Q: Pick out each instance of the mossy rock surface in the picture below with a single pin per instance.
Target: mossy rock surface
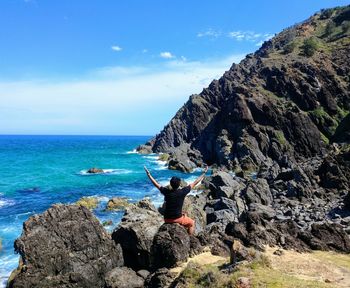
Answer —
(88, 202)
(117, 203)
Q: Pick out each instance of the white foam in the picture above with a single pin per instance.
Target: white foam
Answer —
(152, 157)
(4, 202)
(107, 172)
(132, 152)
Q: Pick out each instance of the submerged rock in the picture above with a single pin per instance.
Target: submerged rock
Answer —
(66, 246)
(94, 170)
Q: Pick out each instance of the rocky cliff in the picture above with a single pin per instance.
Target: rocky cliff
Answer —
(285, 102)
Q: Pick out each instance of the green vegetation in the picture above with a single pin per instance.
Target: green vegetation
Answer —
(330, 28)
(164, 157)
(324, 122)
(88, 202)
(324, 138)
(310, 46)
(345, 27)
(259, 272)
(290, 47)
(107, 223)
(280, 137)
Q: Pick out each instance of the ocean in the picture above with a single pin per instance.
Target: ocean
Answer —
(38, 171)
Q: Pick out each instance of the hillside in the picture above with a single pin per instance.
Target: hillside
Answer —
(283, 103)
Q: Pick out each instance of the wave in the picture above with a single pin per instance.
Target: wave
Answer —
(152, 157)
(106, 172)
(5, 202)
(131, 152)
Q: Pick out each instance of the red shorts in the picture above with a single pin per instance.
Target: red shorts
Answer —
(183, 220)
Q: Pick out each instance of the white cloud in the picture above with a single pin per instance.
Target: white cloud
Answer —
(109, 100)
(238, 35)
(166, 55)
(211, 33)
(116, 48)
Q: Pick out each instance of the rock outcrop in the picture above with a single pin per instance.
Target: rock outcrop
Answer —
(135, 234)
(123, 277)
(280, 104)
(66, 246)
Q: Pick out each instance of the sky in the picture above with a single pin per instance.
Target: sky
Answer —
(92, 67)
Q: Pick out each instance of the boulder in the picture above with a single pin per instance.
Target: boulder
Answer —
(194, 208)
(94, 170)
(266, 212)
(222, 216)
(258, 191)
(171, 245)
(347, 201)
(325, 236)
(161, 278)
(66, 246)
(144, 149)
(223, 184)
(123, 277)
(135, 234)
(117, 203)
(88, 202)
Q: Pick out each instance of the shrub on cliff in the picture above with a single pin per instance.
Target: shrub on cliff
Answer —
(311, 45)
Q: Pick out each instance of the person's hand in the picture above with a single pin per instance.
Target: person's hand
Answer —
(147, 171)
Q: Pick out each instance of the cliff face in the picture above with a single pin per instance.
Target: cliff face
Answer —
(283, 102)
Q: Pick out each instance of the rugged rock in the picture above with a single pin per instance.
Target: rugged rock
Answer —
(327, 236)
(135, 234)
(194, 208)
(94, 170)
(162, 278)
(171, 245)
(66, 246)
(123, 277)
(276, 103)
(117, 203)
(223, 184)
(258, 191)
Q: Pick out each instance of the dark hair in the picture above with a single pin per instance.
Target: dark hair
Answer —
(175, 182)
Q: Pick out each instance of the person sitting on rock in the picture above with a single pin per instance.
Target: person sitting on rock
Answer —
(174, 198)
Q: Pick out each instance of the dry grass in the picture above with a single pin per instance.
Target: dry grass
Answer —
(291, 270)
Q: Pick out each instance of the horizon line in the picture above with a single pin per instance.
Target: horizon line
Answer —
(102, 135)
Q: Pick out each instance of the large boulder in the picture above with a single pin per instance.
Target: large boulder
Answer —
(66, 246)
(194, 208)
(123, 277)
(171, 245)
(258, 191)
(325, 236)
(223, 184)
(161, 278)
(135, 234)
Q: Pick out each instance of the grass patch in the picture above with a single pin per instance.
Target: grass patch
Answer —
(340, 260)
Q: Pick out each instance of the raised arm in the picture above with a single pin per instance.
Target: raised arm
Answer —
(154, 182)
(199, 179)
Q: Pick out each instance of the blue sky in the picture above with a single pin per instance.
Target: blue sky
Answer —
(123, 67)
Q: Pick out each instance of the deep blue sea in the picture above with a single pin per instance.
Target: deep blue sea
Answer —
(38, 171)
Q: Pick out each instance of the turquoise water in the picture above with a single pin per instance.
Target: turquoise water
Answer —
(37, 171)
